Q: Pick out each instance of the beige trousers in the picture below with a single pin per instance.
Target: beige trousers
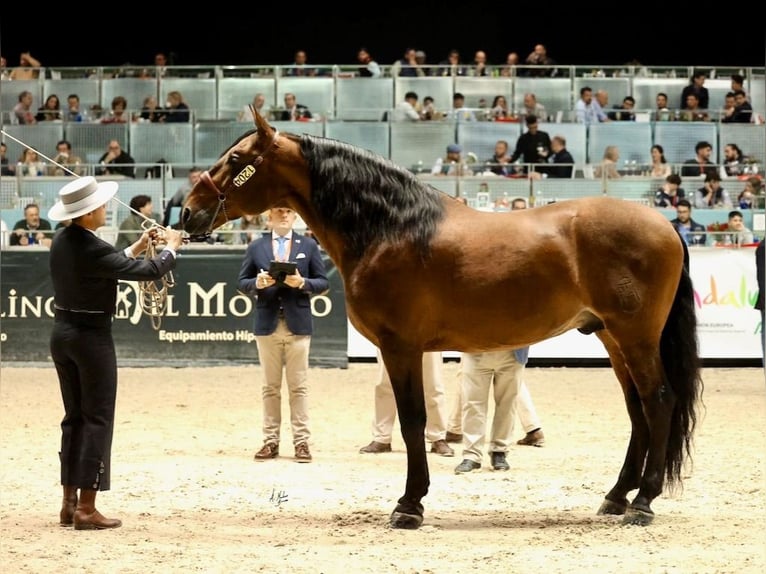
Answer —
(500, 373)
(433, 389)
(277, 352)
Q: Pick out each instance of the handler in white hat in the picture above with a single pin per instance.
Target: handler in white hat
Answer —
(84, 270)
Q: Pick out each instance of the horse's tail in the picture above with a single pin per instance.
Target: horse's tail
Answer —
(679, 350)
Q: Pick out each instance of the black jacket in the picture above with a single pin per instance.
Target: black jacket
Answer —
(85, 269)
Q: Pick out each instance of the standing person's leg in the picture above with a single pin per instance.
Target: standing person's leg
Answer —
(455, 421)
(296, 375)
(436, 403)
(528, 418)
(477, 378)
(270, 356)
(385, 412)
(508, 376)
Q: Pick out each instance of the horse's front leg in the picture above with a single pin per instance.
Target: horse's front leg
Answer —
(406, 372)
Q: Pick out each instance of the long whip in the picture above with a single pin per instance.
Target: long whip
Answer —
(153, 295)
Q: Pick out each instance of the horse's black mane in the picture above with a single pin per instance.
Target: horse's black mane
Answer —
(367, 198)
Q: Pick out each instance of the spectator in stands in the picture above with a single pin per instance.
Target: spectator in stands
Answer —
(509, 70)
(459, 112)
(176, 109)
(407, 109)
(701, 163)
(66, 163)
(30, 164)
(533, 146)
(118, 113)
(452, 65)
(693, 112)
(738, 234)
(29, 68)
(151, 110)
(743, 111)
(608, 168)
(408, 66)
(533, 107)
(693, 233)
(660, 167)
(729, 107)
(499, 111)
(662, 112)
(180, 195)
(452, 163)
(246, 229)
(6, 168)
(160, 69)
(300, 66)
(697, 87)
(587, 111)
(480, 66)
(500, 162)
(624, 112)
(50, 111)
(737, 82)
(750, 194)
(429, 111)
(293, 110)
(22, 111)
(733, 161)
(32, 229)
(132, 226)
(539, 57)
(116, 161)
(73, 113)
(560, 162)
(259, 104)
(670, 193)
(712, 195)
(369, 67)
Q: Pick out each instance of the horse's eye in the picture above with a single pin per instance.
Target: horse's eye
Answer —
(234, 158)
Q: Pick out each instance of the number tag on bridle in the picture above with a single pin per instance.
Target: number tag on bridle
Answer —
(244, 175)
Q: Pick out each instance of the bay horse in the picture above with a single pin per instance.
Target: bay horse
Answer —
(424, 272)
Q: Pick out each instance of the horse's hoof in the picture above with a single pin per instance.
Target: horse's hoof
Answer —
(611, 507)
(638, 517)
(405, 521)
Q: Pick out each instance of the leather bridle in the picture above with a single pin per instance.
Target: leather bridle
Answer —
(239, 180)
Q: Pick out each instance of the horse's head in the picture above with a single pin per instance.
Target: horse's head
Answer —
(238, 183)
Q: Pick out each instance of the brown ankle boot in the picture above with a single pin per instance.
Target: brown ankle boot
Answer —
(86, 517)
(68, 506)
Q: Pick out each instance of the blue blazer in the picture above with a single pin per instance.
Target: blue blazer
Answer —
(296, 303)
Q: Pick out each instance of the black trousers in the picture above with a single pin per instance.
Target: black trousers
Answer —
(86, 363)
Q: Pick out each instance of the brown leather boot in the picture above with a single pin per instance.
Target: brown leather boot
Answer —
(86, 517)
(68, 506)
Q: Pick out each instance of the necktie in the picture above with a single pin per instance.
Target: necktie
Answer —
(281, 248)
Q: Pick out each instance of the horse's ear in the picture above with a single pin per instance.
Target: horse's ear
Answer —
(261, 124)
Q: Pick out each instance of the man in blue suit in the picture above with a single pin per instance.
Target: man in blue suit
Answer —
(283, 324)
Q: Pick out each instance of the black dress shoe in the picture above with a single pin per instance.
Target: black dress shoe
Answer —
(466, 466)
(375, 447)
(268, 450)
(499, 462)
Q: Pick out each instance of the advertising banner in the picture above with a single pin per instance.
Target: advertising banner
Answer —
(207, 319)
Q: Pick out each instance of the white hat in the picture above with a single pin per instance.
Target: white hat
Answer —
(81, 196)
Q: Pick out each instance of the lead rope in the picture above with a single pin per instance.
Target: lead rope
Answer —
(153, 294)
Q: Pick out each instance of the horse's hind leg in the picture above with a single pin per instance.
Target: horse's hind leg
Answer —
(406, 373)
(650, 403)
(616, 501)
